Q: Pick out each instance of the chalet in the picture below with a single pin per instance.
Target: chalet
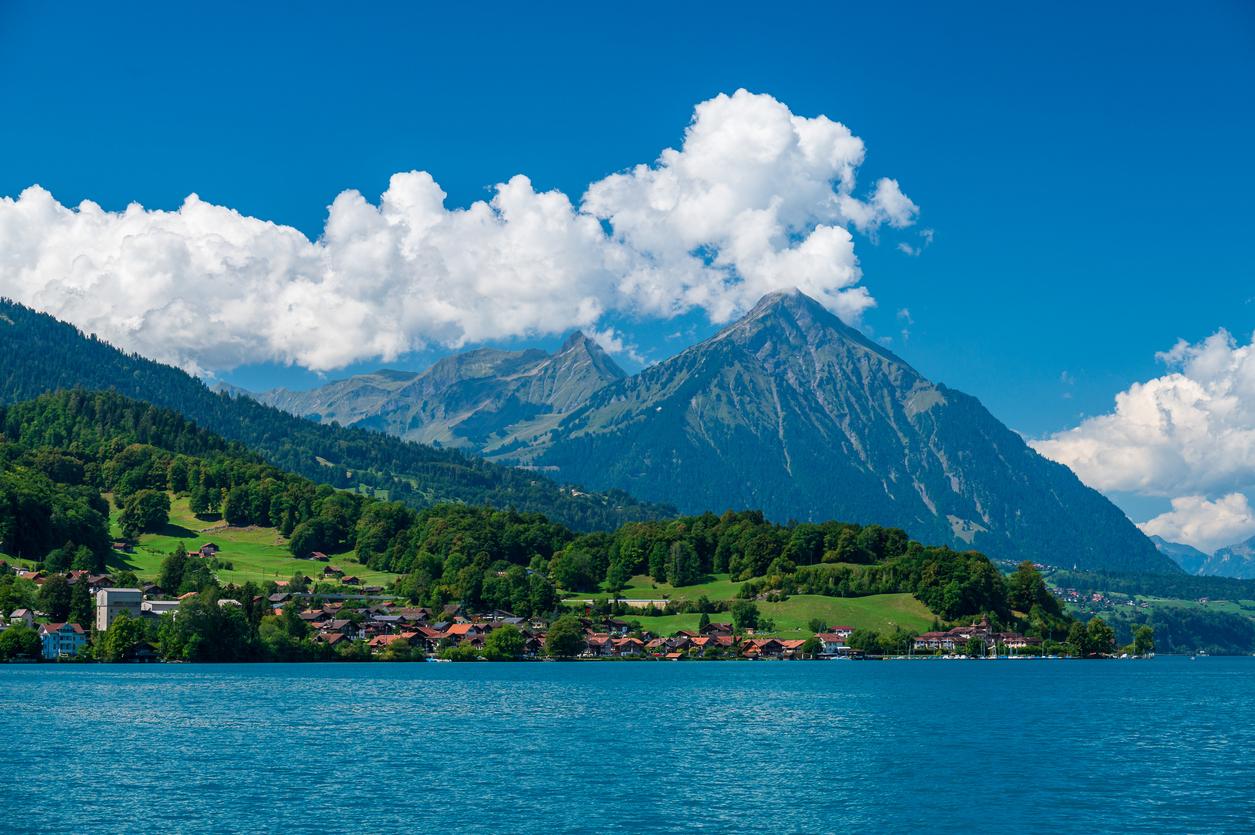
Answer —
(123, 546)
(843, 632)
(627, 646)
(599, 643)
(332, 571)
(716, 629)
(152, 590)
(702, 645)
(319, 556)
(380, 642)
(96, 582)
(388, 622)
(279, 598)
(332, 639)
(618, 628)
(209, 549)
(791, 648)
(763, 648)
(464, 631)
(314, 616)
(351, 581)
(345, 627)
(61, 640)
(427, 637)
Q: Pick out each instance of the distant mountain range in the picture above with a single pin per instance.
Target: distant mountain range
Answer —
(1234, 561)
(487, 401)
(788, 410)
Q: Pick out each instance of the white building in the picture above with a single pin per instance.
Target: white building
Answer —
(157, 608)
(111, 602)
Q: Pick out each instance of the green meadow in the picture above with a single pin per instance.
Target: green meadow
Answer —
(879, 612)
(256, 554)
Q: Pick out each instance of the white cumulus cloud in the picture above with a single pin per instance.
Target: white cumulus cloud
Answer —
(1207, 525)
(1188, 435)
(755, 199)
(1190, 431)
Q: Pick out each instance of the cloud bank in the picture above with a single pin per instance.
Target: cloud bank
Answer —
(1188, 435)
(1206, 525)
(755, 199)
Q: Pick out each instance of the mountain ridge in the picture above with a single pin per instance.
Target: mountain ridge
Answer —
(1237, 560)
(791, 410)
(480, 401)
(39, 353)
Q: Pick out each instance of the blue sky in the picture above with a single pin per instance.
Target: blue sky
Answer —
(1086, 167)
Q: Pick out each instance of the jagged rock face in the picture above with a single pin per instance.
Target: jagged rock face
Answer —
(483, 400)
(794, 412)
(1234, 561)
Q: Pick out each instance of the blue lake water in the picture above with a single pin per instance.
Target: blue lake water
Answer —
(1166, 745)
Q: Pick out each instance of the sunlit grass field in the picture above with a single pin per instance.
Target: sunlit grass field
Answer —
(256, 554)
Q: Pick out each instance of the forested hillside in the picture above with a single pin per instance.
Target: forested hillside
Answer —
(39, 354)
(62, 450)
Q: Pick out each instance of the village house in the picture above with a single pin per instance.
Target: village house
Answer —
(599, 644)
(832, 643)
(23, 616)
(382, 642)
(956, 639)
(61, 640)
(628, 646)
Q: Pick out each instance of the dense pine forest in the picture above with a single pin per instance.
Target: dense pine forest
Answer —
(39, 354)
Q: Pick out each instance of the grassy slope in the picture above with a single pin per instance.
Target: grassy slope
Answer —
(642, 587)
(256, 554)
(881, 612)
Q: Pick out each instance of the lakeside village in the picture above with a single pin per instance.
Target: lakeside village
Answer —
(104, 622)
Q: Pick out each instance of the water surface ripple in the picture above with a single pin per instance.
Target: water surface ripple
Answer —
(1160, 746)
